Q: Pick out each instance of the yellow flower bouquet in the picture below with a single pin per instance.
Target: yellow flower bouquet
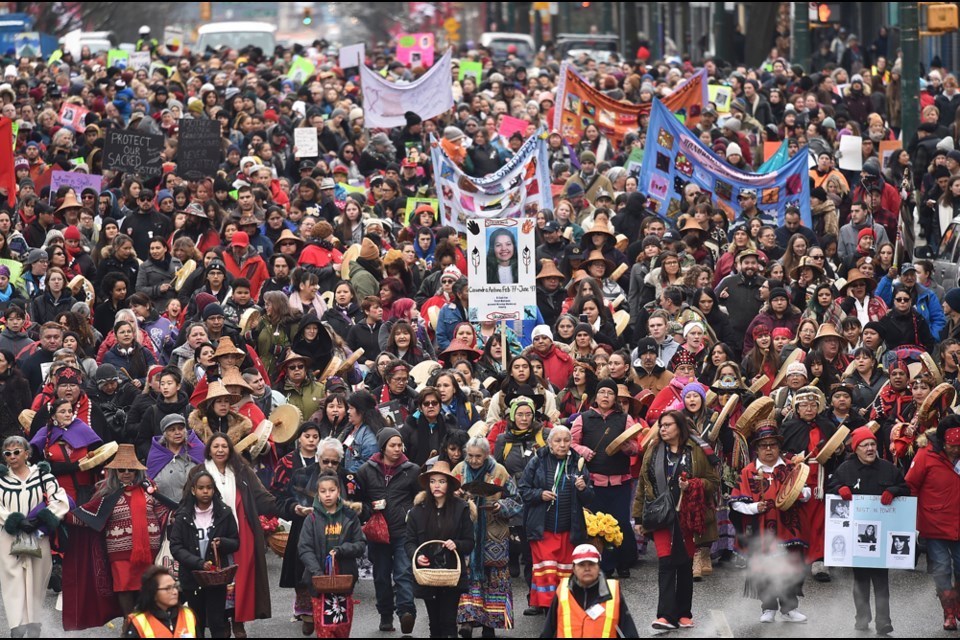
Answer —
(604, 530)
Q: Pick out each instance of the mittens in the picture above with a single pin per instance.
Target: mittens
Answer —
(845, 493)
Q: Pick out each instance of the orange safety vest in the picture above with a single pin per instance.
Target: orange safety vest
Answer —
(148, 626)
(573, 621)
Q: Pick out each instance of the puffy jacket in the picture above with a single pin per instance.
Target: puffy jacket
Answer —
(399, 493)
(936, 486)
(315, 545)
(252, 267)
(45, 309)
(557, 366)
(926, 305)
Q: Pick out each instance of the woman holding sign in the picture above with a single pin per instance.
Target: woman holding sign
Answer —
(502, 257)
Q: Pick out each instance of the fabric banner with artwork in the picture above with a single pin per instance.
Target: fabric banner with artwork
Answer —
(384, 103)
(519, 188)
(579, 104)
(866, 534)
(674, 157)
(502, 268)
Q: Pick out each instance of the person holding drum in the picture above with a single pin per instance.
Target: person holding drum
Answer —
(866, 474)
(779, 536)
(593, 432)
(809, 432)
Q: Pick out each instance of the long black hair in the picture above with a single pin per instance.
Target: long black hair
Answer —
(187, 501)
(366, 405)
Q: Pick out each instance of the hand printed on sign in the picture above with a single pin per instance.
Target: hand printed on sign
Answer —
(473, 227)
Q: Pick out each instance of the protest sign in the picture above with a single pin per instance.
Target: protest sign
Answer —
(851, 153)
(416, 49)
(886, 148)
(305, 140)
(27, 44)
(580, 104)
(72, 116)
(301, 69)
(865, 534)
(172, 38)
(384, 103)
(518, 189)
(16, 270)
(200, 148)
(721, 96)
(675, 157)
(510, 125)
(471, 68)
(76, 181)
(502, 268)
(118, 58)
(140, 60)
(413, 203)
(133, 152)
(352, 55)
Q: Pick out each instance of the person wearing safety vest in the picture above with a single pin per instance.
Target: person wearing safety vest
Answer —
(158, 613)
(588, 604)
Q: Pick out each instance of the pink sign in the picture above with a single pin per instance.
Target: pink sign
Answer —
(415, 49)
(510, 125)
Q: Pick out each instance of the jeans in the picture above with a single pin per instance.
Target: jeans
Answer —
(862, 578)
(209, 605)
(616, 502)
(442, 613)
(943, 562)
(392, 572)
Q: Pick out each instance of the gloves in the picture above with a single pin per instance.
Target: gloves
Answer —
(29, 525)
(886, 498)
(12, 524)
(845, 493)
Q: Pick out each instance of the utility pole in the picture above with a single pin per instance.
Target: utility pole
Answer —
(801, 34)
(607, 27)
(910, 44)
(720, 47)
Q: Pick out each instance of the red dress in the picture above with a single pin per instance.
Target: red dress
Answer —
(244, 609)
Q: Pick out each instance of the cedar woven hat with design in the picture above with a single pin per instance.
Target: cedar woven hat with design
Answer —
(597, 256)
(855, 275)
(217, 390)
(69, 202)
(293, 356)
(689, 224)
(459, 346)
(826, 330)
(225, 347)
(548, 269)
(288, 236)
(806, 263)
(442, 468)
(126, 458)
(602, 229)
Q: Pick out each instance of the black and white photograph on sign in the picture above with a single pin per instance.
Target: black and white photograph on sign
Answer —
(839, 509)
(867, 539)
(900, 549)
(839, 549)
(502, 268)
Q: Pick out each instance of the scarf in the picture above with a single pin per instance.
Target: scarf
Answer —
(7, 293)
(522, 435)
(480, 526)
(141, 556)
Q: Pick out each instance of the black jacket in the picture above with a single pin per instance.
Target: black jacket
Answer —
(416, 435)
(538, 477)
(340, 324)
(185, 542)
(363, 336)
(399, 494)
(907, 328)
(869, 479)
(45, 309)
(315, 543)
(796, 433)
(149, 423)
(143, 227)
(424, 523)
(743, 305)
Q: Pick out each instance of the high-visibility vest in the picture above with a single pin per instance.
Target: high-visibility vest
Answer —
(148, 626)
(573, 621)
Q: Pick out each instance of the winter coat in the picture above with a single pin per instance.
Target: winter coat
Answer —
(315, 543)
(15, 391)
(557, 366)
(238, 426)
(865, 391)
(130, 363)
(144, 227)
(790, 320)
(538, 477)
(149, 424)
(909, 328)
(363, 336)
(936, 485)
(153, 274)
(399, 493)
(251, 266)
(14, 342)
(185, 542)
(847, 246)
(416, 435)
(459, 529)
(364, 282)
(869, 479)
(743, 304)
(339, 324)
(927, 304)
(45, 309)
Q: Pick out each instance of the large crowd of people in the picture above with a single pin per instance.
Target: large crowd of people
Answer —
(187, 361)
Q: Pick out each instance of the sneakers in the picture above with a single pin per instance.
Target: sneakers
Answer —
(686, 623)
(768, 616)
(820, 572)
(793, 616)
(386, 622)
(662, 624)
(407, 622)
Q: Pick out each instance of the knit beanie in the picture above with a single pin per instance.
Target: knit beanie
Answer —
(384, 437)
(952, 298)
(859, 435)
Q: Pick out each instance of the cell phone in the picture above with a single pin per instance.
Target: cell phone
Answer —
(583, 317)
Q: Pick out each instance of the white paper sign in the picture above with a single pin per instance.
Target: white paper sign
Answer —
(140, 59)
(851, 153)
(865, 533)
(352, 55)
(502, 268)
(305, 140)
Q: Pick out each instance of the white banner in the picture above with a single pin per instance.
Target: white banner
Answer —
(502, 267)
(384, 103)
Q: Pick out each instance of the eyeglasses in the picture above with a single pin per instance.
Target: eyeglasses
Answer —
(126, 470)
(430, 403)
(329, 461)
(901, 299)
(13, 453)
(403, 379)
(174, 587)
(768, 445)
(296, 367)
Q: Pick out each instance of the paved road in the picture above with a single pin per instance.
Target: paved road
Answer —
(718, 606)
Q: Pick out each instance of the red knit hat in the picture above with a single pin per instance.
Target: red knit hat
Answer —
(72, 233)
(868, 231)
(859, 435)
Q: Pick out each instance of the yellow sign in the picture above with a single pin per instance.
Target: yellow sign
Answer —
(452, 25)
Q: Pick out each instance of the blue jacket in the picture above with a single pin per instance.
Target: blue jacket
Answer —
(536, 479)
(363, 448)
(927, 303)
(449, 317)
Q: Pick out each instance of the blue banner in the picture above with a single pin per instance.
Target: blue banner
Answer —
(675, 157)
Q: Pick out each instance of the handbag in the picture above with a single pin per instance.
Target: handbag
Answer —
(660, 512)
(26, 544)
(166, 560)
(496, 552)
(376, 529)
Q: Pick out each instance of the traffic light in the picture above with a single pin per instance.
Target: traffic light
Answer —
(307, 16)
(824, 12)
(941, 18)
(205, 11)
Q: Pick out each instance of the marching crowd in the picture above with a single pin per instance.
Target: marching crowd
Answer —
(282, 356)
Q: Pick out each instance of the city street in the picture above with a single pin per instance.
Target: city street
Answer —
(718, 606)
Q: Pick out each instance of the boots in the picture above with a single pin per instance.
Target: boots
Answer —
(948, 600)
(706, 564)
(697, 568)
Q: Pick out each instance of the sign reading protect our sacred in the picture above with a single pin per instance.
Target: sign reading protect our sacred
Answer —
(865, 534)
(502, 268)
(134, 152)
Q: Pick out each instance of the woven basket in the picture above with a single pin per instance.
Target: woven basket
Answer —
(219, 577)
(427, 577)
(277, 541)
(332, 582)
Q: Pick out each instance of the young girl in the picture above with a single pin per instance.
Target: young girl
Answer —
(203, 521)
(331, 532)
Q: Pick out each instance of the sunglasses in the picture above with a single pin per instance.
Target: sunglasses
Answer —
(430, 403)
(126, 470)
(296, 367)
(329, 461)
(901, 299)
(13, 453)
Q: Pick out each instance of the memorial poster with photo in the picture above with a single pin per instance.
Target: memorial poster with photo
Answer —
(865, 534)
(502, 268)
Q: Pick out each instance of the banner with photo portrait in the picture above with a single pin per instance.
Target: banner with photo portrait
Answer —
(674, 157)
(579, 103)
(502, 268)
(520, 188)
(865, 534)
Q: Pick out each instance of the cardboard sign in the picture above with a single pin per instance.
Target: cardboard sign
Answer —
(140, 60)
(721, 96)
(72, 116)
(118, 58)
(416, 49)
(200, 148)
(305, 140)
(352, 55)
(502, 268)
(76, 181)
(471, 68)
(866, 534)
(133, 152)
